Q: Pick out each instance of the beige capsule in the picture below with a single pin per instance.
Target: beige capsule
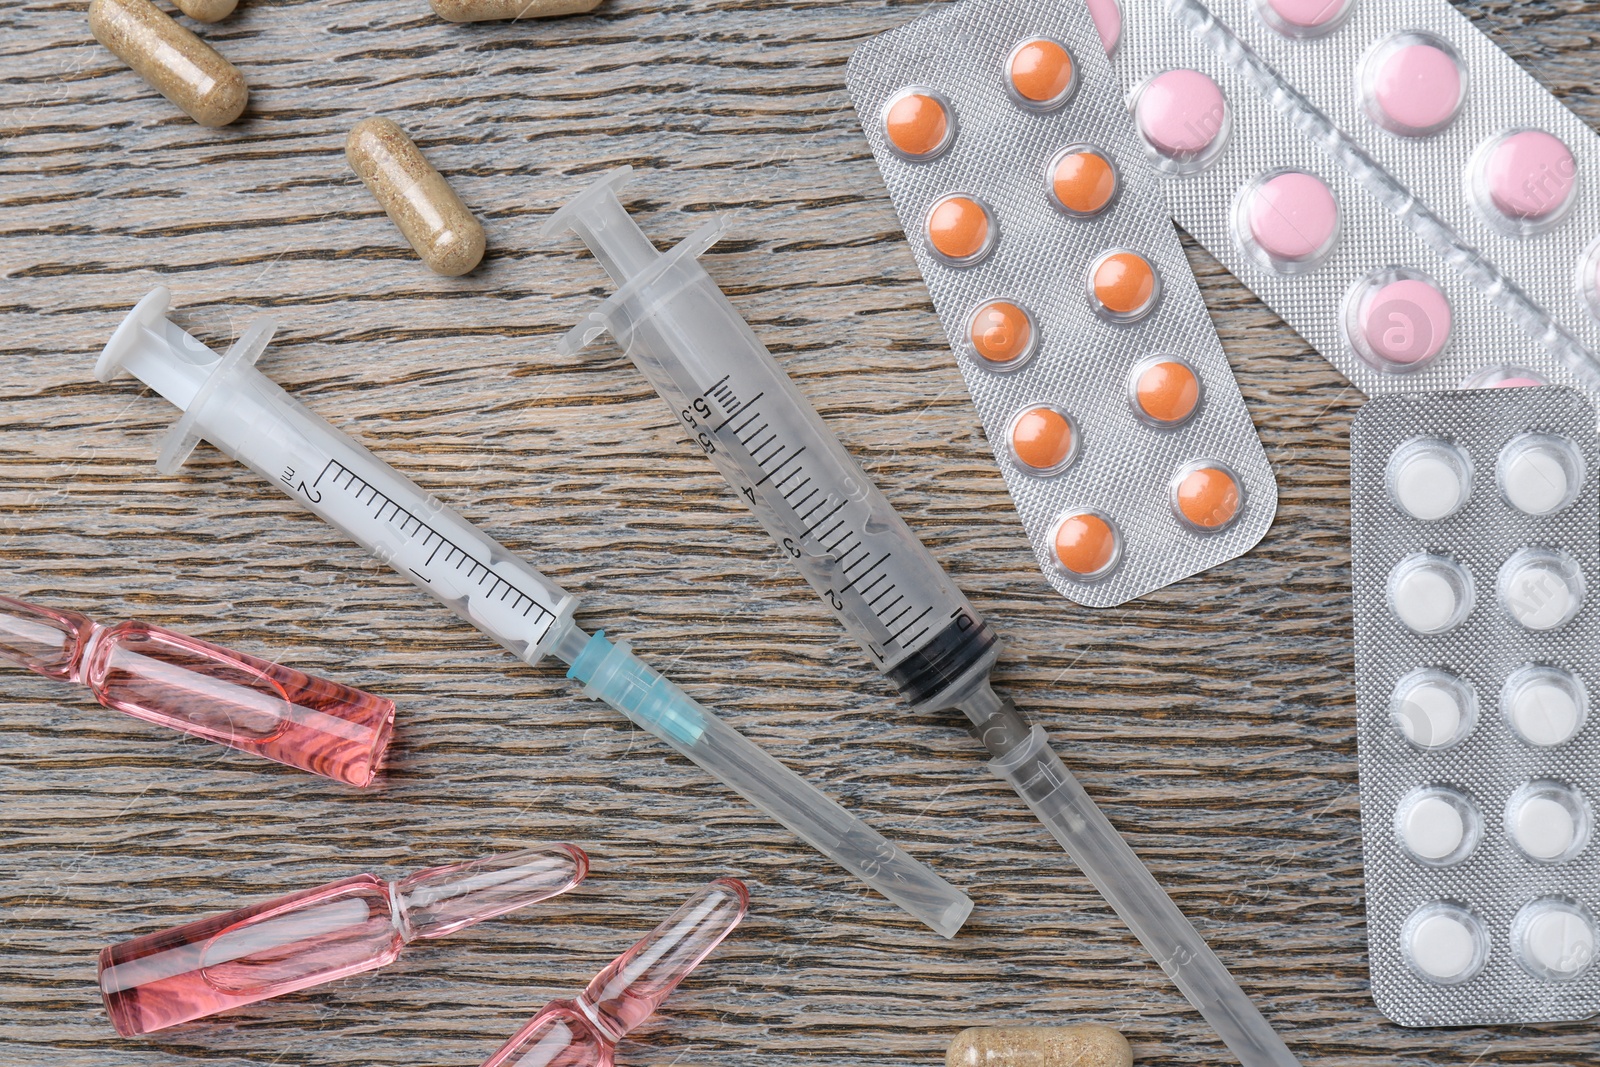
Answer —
(181, 66)
(484, 10)
(417, 197)
(207, 10)
(1082, 1045)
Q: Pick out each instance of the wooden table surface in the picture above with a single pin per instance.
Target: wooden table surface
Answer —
(1214, 720)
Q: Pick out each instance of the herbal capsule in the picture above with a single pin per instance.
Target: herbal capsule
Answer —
(181, 66)
(1084, 1045)
(418, 199)
(207, 10)
(484, 10)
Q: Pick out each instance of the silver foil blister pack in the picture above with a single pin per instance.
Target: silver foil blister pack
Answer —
(1462, 251)
(1055, 269)
(1476, 570)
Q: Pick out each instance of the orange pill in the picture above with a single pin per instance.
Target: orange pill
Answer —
(1167, 391)
(1124, 284)
(1042, 439)
(959, 229)
(1001, 332)
(1086, 545)
(1083, 181)
(918, 124)
(1207, 497)
(1041, 72)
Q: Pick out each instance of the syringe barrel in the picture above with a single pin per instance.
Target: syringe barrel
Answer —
(248, 417)
(739, 406)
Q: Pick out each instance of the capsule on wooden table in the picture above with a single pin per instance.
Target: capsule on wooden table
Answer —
(181, 66)
(1082, 1045)
(485, 10)
(421, 203)
(207, 10)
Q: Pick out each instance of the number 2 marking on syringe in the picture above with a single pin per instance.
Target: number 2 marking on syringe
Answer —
(420, 535)
(298, 485)
(817, 508)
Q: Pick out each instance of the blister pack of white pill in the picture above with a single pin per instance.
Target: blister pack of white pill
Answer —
(1386, 179)
(1002, 136)
(1476, 570)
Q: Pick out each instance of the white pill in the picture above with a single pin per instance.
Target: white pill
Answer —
(1428, 482)
(1424, 593)
(1444, 946)
(1429, 715)
(1543, 827)
(1432, 828)
(1541, 589)
(1545, 713)
(1535, 478)
(1557, 941)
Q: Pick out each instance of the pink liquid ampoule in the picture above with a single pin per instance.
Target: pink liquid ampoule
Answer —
(584, 1031)
(318, 935)
(205, 690)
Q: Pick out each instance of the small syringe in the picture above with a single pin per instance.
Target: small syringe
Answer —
(229, 403)
(885, 587)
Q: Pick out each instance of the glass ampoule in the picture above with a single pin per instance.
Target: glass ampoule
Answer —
(317, 935)
(205, 690)
(584, 1031)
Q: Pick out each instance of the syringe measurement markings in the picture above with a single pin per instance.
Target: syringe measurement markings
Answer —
(834, 511)
(780, 466)
(749, 435)
(754, 415)
(455, 556)
(844, 566)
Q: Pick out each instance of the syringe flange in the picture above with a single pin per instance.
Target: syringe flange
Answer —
(602, 318)
(181, 440)
(617, 240)
(168, 358)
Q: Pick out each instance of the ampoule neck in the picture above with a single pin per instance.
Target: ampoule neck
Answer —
(630, 988)
(441, 900)
(45, 640)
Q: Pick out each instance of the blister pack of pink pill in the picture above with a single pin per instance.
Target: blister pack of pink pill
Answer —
(1476, 570)
(1004, 141)
(1387, 180)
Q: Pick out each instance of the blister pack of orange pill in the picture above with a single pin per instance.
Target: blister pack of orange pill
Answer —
(1045, 241)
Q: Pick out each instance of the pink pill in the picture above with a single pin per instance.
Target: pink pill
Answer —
(1306, 15)
(1107, 15)
(1293, 217)
(1530, 176)
(1182, 113)
(1417, 89)
(1513, 383)
(1405, 322)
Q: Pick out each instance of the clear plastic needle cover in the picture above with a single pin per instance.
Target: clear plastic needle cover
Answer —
(229, 403)
(885, 587)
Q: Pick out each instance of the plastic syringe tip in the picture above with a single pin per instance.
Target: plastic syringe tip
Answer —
(598, 217)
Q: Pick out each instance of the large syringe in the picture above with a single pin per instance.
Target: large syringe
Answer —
(229, 403)
(873, 572)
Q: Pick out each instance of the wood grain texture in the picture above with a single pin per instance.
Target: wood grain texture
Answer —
(1214, 720)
